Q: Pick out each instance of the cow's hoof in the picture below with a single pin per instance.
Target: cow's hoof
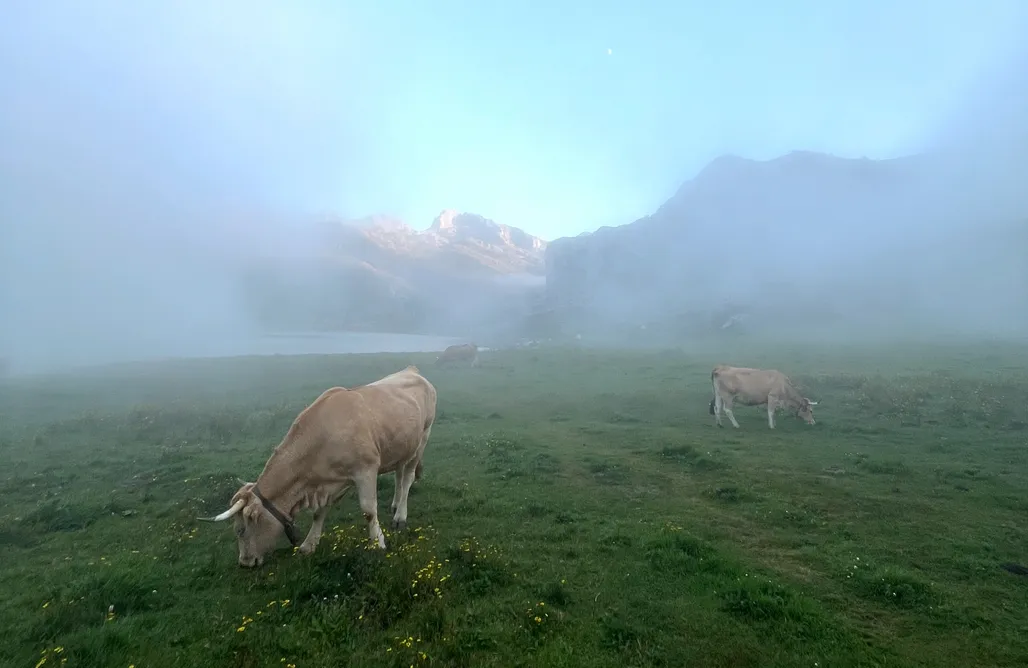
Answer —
(306, 549)
(399, 525)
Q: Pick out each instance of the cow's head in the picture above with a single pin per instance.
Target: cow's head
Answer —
(257, 530)
(806, 410)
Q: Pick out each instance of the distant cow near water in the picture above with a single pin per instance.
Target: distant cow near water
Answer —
(459, 353)
(756, 387)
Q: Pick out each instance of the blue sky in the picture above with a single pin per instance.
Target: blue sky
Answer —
(513, 110)
(517, 111)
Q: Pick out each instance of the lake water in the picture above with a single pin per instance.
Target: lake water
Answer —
(286, 343)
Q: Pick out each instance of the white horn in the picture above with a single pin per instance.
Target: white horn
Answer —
(812, 403)
(227, 514)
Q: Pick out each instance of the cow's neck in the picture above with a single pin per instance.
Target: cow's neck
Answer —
(282, 487)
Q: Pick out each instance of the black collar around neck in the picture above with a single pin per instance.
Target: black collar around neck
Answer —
(286, 523)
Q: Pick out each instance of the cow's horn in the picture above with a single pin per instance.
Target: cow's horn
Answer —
(227, 514)
(240, 481)
(812, 403)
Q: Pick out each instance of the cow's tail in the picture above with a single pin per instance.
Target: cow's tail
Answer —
(713, 386)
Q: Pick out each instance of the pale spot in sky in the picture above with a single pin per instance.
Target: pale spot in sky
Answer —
(610, 51)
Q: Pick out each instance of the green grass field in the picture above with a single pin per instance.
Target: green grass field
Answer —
(579, 508)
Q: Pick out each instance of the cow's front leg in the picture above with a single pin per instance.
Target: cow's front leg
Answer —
(314, 535)
(771, 406)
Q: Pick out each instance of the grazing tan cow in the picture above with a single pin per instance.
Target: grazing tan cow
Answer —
(343, 440)
(463, 351)
(755, 387)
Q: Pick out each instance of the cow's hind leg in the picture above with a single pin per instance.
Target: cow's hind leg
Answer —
(717, 405)
(771, 407)
(409, 470)
(367, 493)
(314, 535)
(398, 484)
(730, 414)
(400, 511)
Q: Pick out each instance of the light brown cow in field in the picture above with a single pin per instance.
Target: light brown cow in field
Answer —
(457, 353)
(755, 387)
(343, 440)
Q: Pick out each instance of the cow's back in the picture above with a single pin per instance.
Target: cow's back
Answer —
(400, 412)
(748, 384)
(405, 398)
(383, 421)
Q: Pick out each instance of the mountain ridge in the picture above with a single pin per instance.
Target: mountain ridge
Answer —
(804, 231)
(379, 272)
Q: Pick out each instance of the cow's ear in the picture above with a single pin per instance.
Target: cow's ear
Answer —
(252, 511)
